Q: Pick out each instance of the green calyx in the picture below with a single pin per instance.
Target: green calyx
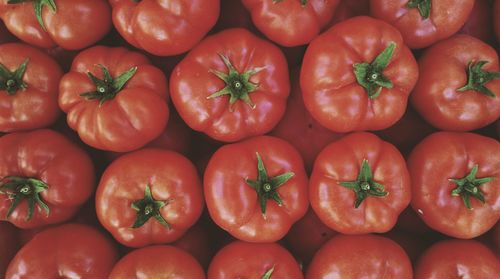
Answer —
(21, 188)
(147, 208)
(477, 78)
(468, 187)
(12, 82)
(302, 2)
(266, 187)
(268, 273)
(109, 87)
(423, 6)
(364, 186)
(370, 75)
(238, 85)
(38, 6)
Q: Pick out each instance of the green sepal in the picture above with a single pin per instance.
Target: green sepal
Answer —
(468, 187)
(21, 188)
(38, 7)
(147, 208)
(423, 6)
(268, 273)
(11, 82)
(477, 78)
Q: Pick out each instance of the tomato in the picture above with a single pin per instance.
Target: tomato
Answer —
(457, 259)
(196, 242)
(350, 8)
(359, 184)
(455, 183)
(164, 28)
(480, 22)
(45, 178)
(231, 86)
(459, 84)
(29, 83)
(150, 196)
(71, 24)
(114, 99)
(157, 262)
(253, 260)
(423, 22)
(256, 189)
(10, 244)
(496, 19)
(358, 75)
(364, 256)
(300, 129)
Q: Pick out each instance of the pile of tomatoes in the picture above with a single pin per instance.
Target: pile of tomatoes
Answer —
(249, 139)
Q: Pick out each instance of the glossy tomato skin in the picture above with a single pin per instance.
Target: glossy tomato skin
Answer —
(420, 32)
(76, 24)
(9, 241)
(171, 178)
(50, 157)
(234, 205)
(451, 155)
(36, 105)
(329, 86)
(342, 161)
(443, 71)
(193, 81)
(252, 260)
(52, 254)
(157, 262)
(363, 256)
(289, 22)
(164, 28)
(135, 116)
(457, 259)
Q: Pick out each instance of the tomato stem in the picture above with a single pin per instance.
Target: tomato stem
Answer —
(468, 187)
(12, 82)
(147, 208)
(38, 6)
(423, 6)
(477, 78)
(21, 188)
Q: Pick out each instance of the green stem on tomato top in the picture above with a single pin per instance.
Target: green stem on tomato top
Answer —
(148, 208)
(268, 273)
(302, 2)
(21, 188)
(423, 6)
(238, 85)
(109, 87)
(38, 6)
(370, 75)
(364, 186)
(468, 187)
(267, 187)
(12, 82)
(477, 78)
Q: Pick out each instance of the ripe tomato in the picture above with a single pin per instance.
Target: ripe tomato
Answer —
(358, 75)
(456, 183)
(359, 184)
(423, 22)
(364, 256)
(71, 24)
(457, 259)
(231, 86)
(29, 86)
(291, 22)
(66, 251)
(10, 244)
(164, 28)
(149, 196)
(256, 189)
(253, 260)
(459, 84)
(157, 262)
(480, 22)
(114, 99)
(45, 178)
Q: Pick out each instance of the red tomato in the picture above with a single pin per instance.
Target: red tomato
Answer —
(231, 86)
(256, 189)
(164, 28)
(10, 244)
(196, 242)
(45, 178)
(157, 262)
(423, 22)
(150, 196)
(358, 75)
(456, 183)
(254, 260)
(114, 99)
(496, 19)
(29, 86)
(480, 21)
(451, 259)
(364, 256)
(71, 24)
(359, 184)
(459, 84)
(67, 251)
(291, 22)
